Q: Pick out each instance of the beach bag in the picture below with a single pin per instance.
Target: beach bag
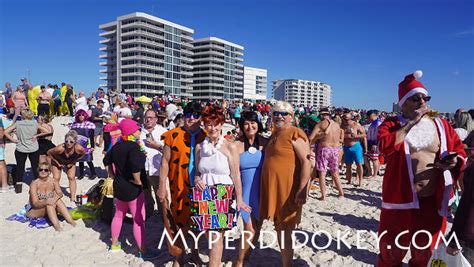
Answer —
(107, 205)
(440, 258)
(94, 195)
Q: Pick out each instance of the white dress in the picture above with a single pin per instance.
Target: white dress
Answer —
(213, 164)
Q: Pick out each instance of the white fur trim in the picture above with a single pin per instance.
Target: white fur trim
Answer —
(417, 74)
(412, 92)
(422, 134)
(448, 179)
(403, 206)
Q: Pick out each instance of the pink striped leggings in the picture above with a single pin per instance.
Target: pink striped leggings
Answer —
(137, 209)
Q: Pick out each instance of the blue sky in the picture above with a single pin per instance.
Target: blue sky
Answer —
(363, 49)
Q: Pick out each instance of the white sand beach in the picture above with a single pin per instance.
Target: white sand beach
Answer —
(86, 244)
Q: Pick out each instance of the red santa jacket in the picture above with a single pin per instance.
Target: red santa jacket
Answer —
(398, 188)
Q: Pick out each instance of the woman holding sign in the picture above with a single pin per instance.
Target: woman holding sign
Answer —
(250, 146)
(217, 175)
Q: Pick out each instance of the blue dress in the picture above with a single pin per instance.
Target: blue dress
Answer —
(250, 168)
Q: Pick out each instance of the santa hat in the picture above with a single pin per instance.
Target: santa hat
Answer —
(410, 86)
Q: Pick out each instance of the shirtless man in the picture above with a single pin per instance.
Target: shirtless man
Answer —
(328, 133)
(424, 155)
(354, 135)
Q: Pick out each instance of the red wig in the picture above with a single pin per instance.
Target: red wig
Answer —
(213, 114)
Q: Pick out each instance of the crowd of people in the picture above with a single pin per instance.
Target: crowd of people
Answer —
(273, 154)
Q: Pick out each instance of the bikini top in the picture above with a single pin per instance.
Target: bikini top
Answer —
(65, 159)
(42, 196)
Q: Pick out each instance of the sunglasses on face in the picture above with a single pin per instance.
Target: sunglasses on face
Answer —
(194, 115)
(43, 170)
(419, 98)
(69, 142)
(277, 113)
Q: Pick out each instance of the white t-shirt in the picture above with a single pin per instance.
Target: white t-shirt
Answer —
(81, 103)
(153, 156)
(50, 91)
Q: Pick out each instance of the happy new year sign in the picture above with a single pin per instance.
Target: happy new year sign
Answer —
(212, 208)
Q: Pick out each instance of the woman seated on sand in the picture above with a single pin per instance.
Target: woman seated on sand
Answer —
(64, 157)
(45, 198)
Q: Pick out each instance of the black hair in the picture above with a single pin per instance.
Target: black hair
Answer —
(250, 116)
(193, 107)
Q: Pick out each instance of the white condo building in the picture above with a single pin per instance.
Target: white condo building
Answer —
(297, 92)
(218, 72)
(146, 55)
(255, 84)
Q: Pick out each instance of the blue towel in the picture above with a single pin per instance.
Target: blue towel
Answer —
(39, 223)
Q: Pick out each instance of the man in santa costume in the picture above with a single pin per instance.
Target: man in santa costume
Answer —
(424, 157)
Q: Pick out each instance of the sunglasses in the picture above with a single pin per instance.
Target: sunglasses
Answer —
(419, 98)
(43, 170)
(277, 113)
(194, 115)
(69, 142)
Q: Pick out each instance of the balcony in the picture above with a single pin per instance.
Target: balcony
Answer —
(144, 82)
(210, 52)
(144, 25)
(141, 66)
(105, 41)
(107, 33)
(103, 71)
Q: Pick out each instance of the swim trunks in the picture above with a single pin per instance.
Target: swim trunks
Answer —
(373, 152)
(353, 153)
(327, 158)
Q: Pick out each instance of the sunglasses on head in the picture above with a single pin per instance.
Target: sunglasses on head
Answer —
(282, 113)
(44, 170)
(418, 98)
(195, 115)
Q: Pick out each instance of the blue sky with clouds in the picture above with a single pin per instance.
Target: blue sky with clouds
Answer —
(363, 49)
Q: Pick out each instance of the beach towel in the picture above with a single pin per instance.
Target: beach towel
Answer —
(38, 223)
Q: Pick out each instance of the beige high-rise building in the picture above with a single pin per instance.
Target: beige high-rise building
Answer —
(146, 55)
(297, 92)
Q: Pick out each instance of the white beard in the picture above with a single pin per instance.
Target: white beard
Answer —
(280, 124)
(422, 134)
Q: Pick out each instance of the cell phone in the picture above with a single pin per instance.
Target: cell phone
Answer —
(450, 156)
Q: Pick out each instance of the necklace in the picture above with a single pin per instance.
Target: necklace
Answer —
(209, 149)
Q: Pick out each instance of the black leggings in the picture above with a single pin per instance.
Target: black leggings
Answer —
(20, 164)
(43, 109)
(57, 104)
(71, 110)
(91, 168)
